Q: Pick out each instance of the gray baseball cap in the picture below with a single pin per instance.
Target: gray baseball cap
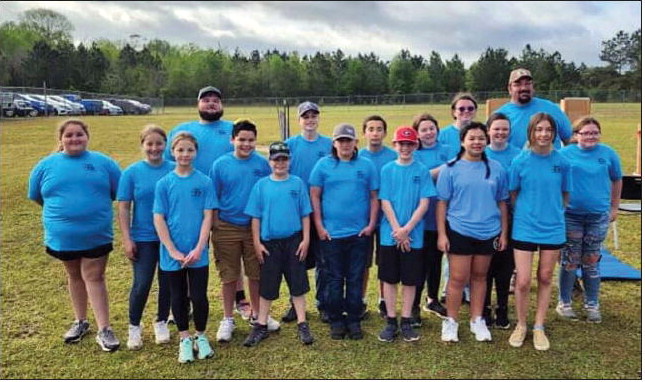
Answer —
(307, 106)
(344, 130)
(208, 89)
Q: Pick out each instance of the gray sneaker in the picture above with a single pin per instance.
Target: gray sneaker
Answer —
(593, 314)
(76, 331)
(566, 311)
(107, 340)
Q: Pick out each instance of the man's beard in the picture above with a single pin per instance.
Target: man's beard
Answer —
(211, 116)
(524, 98)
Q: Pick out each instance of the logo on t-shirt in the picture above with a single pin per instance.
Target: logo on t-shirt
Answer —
(89, 167)
(196, 192)
(443, 157)
(257, 172)
(222, 132)
(416, 179)
(294, 194)
(602, 160)
(360, 174)
(321, 154)
(557, 169)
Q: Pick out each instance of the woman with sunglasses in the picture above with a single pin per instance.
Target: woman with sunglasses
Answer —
(463, 110)
(595, 196)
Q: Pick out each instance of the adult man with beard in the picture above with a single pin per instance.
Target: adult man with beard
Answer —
(212, 133)
(524, 104)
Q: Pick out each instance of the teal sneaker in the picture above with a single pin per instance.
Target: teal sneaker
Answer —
(186, 350)
(204, 349)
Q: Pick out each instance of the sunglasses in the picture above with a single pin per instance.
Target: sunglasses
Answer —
(469, 108)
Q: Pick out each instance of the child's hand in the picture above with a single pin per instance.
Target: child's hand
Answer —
(260, 252)
(405, 245)
(130, 250)
(502, 243)
(323, 234)
(443, 244)
(400, 234)
(367, 231)
(193, 256)
(302, 250)
(178, 256)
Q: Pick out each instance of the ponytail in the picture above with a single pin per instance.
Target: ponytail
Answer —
(458, 157)
(485, 160)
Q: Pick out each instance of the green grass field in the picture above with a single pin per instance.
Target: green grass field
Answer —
(35, 306)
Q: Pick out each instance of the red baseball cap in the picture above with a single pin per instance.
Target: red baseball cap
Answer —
(405, 134)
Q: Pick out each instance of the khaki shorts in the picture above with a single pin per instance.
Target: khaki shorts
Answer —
(232, 245)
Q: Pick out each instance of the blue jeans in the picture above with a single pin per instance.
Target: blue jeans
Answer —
(143, 273)
(585, 234)
(345, 264)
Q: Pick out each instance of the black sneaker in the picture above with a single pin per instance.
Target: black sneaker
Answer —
(258, 333)
(407, 332)
(487, 315)
(290, 315)
(501, 318)
(364, 312)
(76, 331)
(415, 320)
(338, 332)
(435, 307)
(355, 332)
(382, 310)
(388, 334)
(304, 334)
(324, 316)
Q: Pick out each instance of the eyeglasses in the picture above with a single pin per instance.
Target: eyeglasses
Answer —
(590, 133)
(469, 108)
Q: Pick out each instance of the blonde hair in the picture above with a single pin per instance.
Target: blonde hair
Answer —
(184, 135)
(151, 128)
(535, 119)
(63, 125)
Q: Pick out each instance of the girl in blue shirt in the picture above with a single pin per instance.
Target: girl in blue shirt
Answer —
(432, 154)
(76, 188)
(463, 109)
(595, 197)
(183, 212)
(140, 240)
(343, 190)
(471, 225)
(502, 264)
(540, 182)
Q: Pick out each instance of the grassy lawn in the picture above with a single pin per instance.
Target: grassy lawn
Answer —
(35, 307)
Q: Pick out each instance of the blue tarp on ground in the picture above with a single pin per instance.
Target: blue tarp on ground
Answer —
(613, 269)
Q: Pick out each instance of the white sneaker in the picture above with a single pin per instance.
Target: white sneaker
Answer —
(480, 330)
(449, 330)
(134, 337)
(272, 324)
(162, 334)
(226, 328)
(566, 311)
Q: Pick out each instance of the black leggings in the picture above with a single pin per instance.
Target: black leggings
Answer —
(501, 270)
(432, 265)
(195, 279)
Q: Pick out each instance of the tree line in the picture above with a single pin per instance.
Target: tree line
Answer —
(39, 48)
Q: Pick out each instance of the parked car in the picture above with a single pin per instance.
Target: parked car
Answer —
(128, 106)
(112, 109)
(72, 97)
(59, 107)
(42, 107)
(19, 108)
(144, 106)
(94, 107)
(77, 108)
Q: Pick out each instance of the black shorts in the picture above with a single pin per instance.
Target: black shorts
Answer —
(532, 247)
(93, 253)
(282, 260)
(373, 248)
(314, 247)
(466, 245)
(396, 266)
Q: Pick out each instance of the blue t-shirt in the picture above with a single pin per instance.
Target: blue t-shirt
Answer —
(380, 158)
(432, 157)
(520, 116)
(539, 181)
(595, 169)
(77, 193)
(305, 154)
(234, 179)
(345, 193)
(472, 199)
(182, 200)
(280, 205)
(449, 136)
(213, 140)
(137, 185)
(404, 186)
(504, 157)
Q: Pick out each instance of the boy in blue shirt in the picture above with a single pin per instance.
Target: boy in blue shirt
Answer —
(401, 257)
(375, 130)
(279, 207)
(234, 175)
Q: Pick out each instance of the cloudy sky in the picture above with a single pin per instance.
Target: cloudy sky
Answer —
(574, 28)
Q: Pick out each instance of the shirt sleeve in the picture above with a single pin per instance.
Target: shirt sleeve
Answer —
(514, 176)
(502, 187)
(374, 176)
(115, 174)
(35, 183)
(615, 170)
(564, 125)
(428, 189)
(125, 192)
(254, 205)
(567, 181)
(305, 203)
(211, 201)
(316, 177)
(444, 183)
(384, 192)
(160, 205)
